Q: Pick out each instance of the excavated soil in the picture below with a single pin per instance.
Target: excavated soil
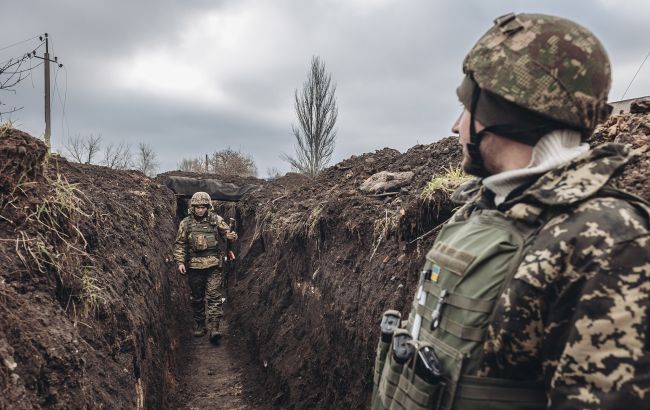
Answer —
(88, 295)
(93, 314)
(320, 262)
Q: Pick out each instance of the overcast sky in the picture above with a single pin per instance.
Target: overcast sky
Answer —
(190, 77)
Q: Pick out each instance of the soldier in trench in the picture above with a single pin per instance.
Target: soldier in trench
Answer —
(198, 246)
(536, 294)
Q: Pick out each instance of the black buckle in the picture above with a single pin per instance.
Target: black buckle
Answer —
(508, 23)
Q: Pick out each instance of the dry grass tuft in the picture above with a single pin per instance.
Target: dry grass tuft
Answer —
(445, 184)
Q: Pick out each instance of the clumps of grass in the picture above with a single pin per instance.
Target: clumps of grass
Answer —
(58, 246)
(445, 183)
(312, 222)
(382, 228)
(90, 294)
(4, 128)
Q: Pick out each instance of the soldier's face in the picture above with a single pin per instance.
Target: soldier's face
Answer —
(492, 148)
(200, 210)
(461, 127)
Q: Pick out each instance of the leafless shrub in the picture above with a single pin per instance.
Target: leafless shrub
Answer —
(83, 149)
(145, 160)
(192, 165)
(224, 162)
(11, 73)
(273, 173)
(117, 156)
(231, 162)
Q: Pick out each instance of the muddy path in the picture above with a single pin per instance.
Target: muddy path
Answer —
(213, 375)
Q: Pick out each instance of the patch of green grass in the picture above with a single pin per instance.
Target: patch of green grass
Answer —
(446, 183)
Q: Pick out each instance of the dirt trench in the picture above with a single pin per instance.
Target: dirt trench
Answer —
(93, 314)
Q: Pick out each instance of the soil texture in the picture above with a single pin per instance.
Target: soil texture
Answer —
(94, 315)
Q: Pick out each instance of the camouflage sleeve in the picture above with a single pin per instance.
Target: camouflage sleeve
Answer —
(594, 269)
(180, 245)
(222, 226)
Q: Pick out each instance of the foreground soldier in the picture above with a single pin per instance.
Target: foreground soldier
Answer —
(536, 293)
(197, 242)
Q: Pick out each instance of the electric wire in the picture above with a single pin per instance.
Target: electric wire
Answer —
(18, 43)
(635, 74)
(62, 101)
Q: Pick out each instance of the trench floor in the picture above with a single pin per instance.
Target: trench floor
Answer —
(213, 377)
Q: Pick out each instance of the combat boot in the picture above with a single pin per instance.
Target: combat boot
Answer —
(199, 329)
(214, 334)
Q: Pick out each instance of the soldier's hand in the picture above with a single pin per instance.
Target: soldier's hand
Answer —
(232, 235)
(181, 269)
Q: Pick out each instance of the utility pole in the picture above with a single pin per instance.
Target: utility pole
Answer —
(46, 62)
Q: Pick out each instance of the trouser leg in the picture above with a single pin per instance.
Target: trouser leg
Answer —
(214, 296)
(197, 281)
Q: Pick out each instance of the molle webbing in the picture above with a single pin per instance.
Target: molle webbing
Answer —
(463, 302)
(449, 325)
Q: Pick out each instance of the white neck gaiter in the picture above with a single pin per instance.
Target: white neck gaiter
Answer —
(552, 150)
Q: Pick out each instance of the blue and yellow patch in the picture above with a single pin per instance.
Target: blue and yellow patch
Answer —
(435, 272)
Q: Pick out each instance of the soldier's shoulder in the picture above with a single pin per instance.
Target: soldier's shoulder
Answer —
(215, 218)
(185, 221)
(466, 191)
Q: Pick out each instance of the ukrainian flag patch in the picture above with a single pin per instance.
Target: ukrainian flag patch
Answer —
(435, 272)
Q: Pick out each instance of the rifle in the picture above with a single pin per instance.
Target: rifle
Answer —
(229, 258)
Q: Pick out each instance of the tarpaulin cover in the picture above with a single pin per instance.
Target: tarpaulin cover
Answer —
(221, 191)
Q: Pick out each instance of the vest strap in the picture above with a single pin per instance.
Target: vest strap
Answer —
(502, 390)
(462, 332)
(462, 302)
(474, 334)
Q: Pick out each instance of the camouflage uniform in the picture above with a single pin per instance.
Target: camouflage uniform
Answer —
(205, 263)
(567, 325)
(576, 312)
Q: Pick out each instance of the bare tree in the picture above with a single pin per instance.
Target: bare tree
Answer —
(273, 173)
(11, 73)
(83, 149)
(192, 165)
(146, 160)
(224, 162)
(231, 162)
(317, 112)
(118, 156)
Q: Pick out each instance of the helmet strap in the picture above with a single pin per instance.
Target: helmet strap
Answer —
(477, 166)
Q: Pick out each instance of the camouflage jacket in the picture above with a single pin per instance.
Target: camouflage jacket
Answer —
(576, 312)
(197, 241)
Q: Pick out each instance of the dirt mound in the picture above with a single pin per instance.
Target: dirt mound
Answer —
(320, 261)
(634, 130)
(87, 295)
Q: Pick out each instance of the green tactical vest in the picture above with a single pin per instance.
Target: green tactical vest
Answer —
(464, 274)
(203, 243)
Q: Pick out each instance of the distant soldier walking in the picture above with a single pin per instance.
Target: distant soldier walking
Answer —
(197, 243)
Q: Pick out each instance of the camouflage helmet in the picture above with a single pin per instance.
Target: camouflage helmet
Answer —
(546, 64)
(201, 198)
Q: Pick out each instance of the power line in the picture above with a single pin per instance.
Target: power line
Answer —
(15, 44)
(26, 55)
(64, 120)
(635, 74)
